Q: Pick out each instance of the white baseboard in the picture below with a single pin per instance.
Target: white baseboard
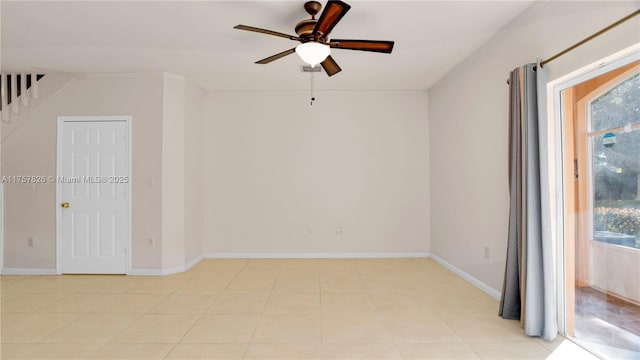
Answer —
(166, 271)
(475, 282)
(146, 272)
(380, 255)
(25, 271)
(173, 270)
(156, 272)
(193, 262)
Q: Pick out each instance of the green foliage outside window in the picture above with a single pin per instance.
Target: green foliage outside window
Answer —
(618, 220)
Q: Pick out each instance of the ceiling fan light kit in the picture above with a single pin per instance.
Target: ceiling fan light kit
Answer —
(315, 47)
(313, 53)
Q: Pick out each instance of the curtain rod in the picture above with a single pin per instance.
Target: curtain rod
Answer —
(587, 39)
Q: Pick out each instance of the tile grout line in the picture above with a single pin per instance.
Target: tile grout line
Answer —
(438, 314)
(386, 326)
(139, 315)
(321, 313)
(246, 350)
(201, 315)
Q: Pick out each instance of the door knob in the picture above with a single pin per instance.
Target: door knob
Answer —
(65, 205)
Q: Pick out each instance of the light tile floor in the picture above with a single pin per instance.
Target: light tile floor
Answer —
(265, 309)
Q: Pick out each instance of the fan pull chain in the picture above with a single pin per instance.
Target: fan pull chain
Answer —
(312, 90)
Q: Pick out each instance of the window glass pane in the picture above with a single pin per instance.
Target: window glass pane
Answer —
(616, 185)
(617, 107)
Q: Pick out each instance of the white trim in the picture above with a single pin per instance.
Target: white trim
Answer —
(619, 59)
(376, 255)
(473, 281)
(173, 270)
(62, 119)
(58, 198)
(555, 109)
(168, 271)
(25, 271)
(193, 262)
(146, 272)
(156, 272)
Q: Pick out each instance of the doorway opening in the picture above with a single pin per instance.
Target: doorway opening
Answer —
(601, 166)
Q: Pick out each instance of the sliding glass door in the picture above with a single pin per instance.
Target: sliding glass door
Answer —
(602, 158)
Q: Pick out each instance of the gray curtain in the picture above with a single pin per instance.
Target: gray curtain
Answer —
(529, 292)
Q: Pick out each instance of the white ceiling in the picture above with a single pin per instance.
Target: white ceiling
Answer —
(197, 40)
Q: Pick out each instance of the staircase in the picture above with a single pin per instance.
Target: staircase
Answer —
(32, 94)
(17, 90)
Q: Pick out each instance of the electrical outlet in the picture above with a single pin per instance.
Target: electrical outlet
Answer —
(338, 231)
(30, 241)
(150, 241)
(487, 254)
(309, 230)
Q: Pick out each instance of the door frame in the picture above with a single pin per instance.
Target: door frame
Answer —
(561, 177)
(61, 120)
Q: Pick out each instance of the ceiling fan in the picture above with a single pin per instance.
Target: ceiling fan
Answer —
(313, 34)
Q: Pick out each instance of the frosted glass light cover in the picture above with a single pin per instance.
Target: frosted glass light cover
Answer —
(313, 53)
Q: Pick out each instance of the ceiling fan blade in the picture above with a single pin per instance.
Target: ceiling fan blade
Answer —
(330, 66)
(363, 45)
(265, 31)
(333, 12)
(276, 56)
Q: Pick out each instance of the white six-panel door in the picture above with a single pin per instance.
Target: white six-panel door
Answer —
(93, 182)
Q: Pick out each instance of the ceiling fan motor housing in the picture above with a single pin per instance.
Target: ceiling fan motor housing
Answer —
(304, 29)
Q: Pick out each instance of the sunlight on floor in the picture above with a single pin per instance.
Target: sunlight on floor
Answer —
(566, 349)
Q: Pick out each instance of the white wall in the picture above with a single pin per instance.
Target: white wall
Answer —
(281, 175)
(173, 170)
(468, 115)
(182, 169)
(194, 173)
(31, 150)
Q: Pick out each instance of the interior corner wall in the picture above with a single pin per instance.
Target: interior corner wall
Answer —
(468, 115)
(31, 150)
(173, 172)
(193, 174)
(346, 175)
